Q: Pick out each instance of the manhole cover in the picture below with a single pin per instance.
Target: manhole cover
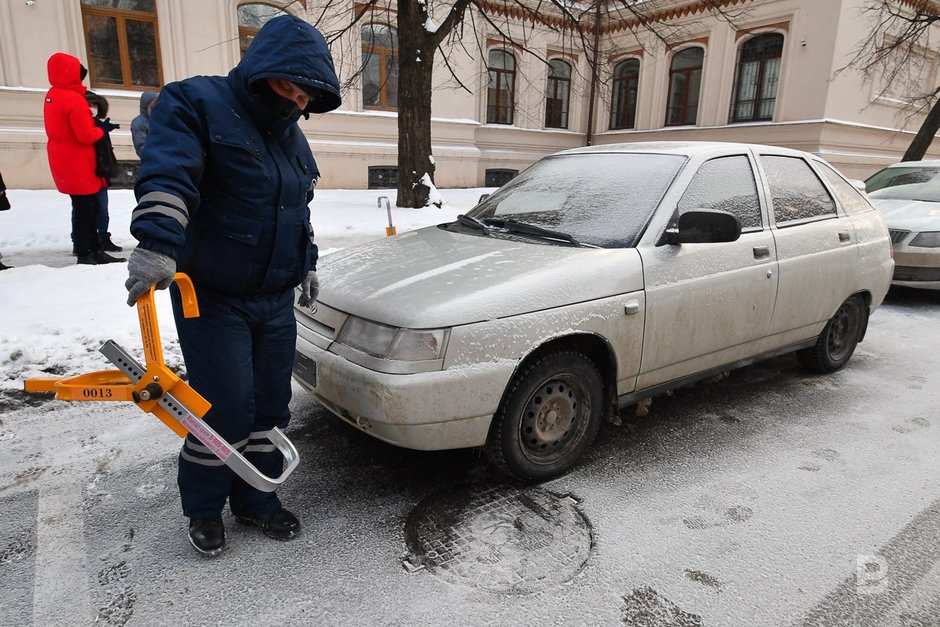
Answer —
(501, 539)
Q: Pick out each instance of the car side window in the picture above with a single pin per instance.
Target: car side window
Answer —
(850, 198)
(725, 184)
(798, 194)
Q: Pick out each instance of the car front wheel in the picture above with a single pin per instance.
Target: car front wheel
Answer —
(548, 418)
(838, 339)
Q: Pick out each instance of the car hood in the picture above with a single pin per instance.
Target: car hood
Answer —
(434, 278)
(908, 215)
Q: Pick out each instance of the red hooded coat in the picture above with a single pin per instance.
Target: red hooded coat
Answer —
(70, 129)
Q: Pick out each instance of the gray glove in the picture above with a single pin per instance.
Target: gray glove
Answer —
(145, 269)
(309, 289)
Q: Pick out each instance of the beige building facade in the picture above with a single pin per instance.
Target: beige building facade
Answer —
(768, 74)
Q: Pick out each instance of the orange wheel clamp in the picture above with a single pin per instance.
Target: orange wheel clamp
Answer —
(158, 390)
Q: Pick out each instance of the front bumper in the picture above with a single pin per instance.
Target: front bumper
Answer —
(427, 411)
(916, 267)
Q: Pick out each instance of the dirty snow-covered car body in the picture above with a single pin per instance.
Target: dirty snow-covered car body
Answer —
(487, 332)
(907, 195)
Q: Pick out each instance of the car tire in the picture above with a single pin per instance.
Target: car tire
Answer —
(548, 418)
(838, 339)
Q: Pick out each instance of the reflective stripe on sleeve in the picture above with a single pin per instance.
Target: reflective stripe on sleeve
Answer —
(163, 204)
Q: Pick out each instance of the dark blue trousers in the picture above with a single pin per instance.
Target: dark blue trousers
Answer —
(239, 354)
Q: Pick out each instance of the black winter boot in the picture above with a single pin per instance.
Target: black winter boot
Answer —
(103, 257)
(105, 243)
(279, 524)
(3, 266)
(207, 535)
(96, 258)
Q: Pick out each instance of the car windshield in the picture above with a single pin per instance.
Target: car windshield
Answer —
(595, 199)
(900, 176)
(927, 192)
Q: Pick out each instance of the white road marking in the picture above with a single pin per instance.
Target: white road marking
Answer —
(61, 577)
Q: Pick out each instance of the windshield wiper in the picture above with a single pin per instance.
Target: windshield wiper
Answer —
(473, 223)
(513, 226)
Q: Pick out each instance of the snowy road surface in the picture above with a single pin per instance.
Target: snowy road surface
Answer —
(770, 497)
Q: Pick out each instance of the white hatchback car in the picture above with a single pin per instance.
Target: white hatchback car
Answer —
(907, 195)
(596, 278)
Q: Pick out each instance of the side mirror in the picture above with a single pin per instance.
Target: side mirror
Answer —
(700, 226)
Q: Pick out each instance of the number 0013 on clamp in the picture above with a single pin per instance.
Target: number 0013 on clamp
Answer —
(158, 390)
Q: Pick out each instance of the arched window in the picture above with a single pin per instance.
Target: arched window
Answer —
(500, 93)
(251, 17)
(557, 94)
(685, 81)
(123, 44)
(379, 67)
(623, 98)
(756, 78)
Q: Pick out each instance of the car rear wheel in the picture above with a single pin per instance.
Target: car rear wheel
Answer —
(548, 418)
(838, 339)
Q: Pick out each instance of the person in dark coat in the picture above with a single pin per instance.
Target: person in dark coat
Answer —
(4, 206)
(106, 166)
(225, 179)
(140, 125)
(72, 135)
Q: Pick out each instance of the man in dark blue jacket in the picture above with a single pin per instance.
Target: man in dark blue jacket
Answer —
(222, 192)
(140, 125)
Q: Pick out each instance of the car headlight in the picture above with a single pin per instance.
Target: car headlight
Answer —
(387, 342)
(930, 239)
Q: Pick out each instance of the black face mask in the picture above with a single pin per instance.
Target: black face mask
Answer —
(283, 108)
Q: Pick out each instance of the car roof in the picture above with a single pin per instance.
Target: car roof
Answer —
(686, 148)
(926, 163)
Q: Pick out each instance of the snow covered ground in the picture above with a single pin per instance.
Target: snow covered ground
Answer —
(55, 314)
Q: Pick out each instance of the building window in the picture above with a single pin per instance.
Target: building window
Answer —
(498, 177)
(383, 177)
(123, 44)
(685, 80)
(557, 94)
(623, 99)
(756, 78)
(501, 66)
(251, 17)
(379, 67)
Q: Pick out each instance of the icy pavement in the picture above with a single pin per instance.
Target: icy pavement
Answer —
(772, 497)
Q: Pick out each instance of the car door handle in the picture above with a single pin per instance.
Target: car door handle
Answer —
(844, 236)
(761, 252)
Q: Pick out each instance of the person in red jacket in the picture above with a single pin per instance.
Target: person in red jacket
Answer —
(72, 135)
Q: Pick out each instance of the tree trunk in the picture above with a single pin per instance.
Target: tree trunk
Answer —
(925, 135)
(415, 65)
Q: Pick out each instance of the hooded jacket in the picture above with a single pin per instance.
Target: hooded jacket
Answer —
(70, 128)
(224, 182)
(140, 125)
